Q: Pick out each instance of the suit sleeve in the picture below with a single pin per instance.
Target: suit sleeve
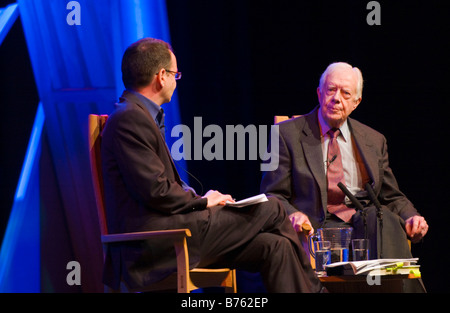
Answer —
(278, 183)
(138, 151)
(390, 194)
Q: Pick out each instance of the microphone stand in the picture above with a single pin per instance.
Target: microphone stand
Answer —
(374, 199)
(356, 203)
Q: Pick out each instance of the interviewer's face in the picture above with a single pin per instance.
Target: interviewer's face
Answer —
(338, 96)
(170, 78)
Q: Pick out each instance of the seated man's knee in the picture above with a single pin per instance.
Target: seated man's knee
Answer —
(273, 245)
(275, 206)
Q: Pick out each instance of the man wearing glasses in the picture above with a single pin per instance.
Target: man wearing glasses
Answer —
(143, 191)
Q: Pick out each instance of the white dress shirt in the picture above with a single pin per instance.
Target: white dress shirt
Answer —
(352, 172)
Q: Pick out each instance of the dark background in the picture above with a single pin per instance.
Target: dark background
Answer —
(18, 104)
(245, 61)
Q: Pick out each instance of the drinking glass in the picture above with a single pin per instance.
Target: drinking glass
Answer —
(360, 248)
(322, 255)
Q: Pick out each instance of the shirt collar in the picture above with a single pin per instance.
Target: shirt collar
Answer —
(324, 127)
(151, 106)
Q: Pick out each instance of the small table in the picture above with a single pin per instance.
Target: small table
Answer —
(366, 284)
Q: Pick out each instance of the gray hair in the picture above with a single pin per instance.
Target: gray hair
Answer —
(333, 66)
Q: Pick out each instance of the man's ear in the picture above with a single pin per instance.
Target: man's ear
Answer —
(357, 102)
(318, 93)
(161, 77)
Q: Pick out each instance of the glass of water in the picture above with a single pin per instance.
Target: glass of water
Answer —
(322, 252)
(360, 248)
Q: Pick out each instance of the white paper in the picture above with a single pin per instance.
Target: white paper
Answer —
(249, 201)
(360, 267)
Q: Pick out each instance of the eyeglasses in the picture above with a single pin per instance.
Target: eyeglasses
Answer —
(177, 74)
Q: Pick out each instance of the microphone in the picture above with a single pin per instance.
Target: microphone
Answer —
(374, 199)
(332, 160)
(357, 204)
(372, 196)
(352, 198)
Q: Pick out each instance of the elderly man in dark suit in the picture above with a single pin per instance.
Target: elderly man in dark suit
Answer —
(143, 191)
(325, 147)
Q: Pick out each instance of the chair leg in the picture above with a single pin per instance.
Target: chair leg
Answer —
(181, 251)
(232, 277)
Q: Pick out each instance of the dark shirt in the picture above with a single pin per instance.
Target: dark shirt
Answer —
(155, 111)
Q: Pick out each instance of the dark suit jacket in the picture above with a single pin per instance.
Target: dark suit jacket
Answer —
(143, 191)
(300, 179)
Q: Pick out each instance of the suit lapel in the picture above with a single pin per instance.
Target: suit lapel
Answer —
(312, 149)
(366, 152)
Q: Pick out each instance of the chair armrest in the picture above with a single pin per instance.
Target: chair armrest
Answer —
(171, 234)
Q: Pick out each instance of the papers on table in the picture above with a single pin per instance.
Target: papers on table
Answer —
(365, 267)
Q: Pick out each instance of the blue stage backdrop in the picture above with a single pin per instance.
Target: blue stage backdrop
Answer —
(75, 49)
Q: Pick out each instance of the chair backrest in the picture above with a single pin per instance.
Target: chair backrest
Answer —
(96, 124)
(281, 118)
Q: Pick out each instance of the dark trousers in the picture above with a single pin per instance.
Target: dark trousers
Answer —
(259, 238)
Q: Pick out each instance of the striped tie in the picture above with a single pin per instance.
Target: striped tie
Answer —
(335, 174)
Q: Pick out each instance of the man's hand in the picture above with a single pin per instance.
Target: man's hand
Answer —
(297, 219)
(416, 228)
(216, 198)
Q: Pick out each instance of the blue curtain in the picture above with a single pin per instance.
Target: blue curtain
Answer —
(77, 72)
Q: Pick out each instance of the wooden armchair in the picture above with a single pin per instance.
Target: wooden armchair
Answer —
(281, 118)
(184, 280)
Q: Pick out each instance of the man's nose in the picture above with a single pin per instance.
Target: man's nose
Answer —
(337, 97)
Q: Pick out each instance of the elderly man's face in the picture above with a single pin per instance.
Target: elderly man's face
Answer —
(338, 96)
